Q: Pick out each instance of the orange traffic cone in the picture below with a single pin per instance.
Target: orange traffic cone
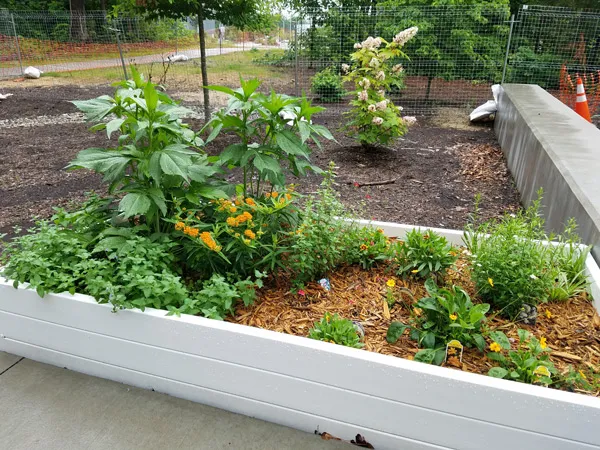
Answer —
(581, 104)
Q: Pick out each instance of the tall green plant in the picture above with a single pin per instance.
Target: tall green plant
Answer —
(157, 157)
(274, 131)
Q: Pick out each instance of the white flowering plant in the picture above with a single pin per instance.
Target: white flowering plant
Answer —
(374, 119)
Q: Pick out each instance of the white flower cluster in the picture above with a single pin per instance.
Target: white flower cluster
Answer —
(357, 46)
(381, 93)
(377, 120)
(372, 108)
(363, 96)
(370, 43)
(397, 68)
(410, 120)
(380, 75)
(375, 63)
(345, 68)
(382, 105)
(365, 83)
(404, 36)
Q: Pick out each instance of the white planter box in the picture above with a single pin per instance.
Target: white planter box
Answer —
(298, 382)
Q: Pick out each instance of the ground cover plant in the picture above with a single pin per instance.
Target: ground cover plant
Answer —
(172, 233)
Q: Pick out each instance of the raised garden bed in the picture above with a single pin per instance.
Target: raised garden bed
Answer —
(298, 382)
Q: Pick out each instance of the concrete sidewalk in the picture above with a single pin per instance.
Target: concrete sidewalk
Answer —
(46, 407)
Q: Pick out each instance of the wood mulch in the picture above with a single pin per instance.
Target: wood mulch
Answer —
(571, 328)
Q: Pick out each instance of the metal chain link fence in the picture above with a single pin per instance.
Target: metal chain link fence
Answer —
(457, 54)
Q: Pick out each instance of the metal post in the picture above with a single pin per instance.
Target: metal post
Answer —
(17, 43)
(296, 51)
(121, 53)
(512, 24)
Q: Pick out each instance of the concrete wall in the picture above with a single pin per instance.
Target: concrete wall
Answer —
(548, 145)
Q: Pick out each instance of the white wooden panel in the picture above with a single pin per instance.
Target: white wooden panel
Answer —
(454, 392)
(323, 400)
(264, 411)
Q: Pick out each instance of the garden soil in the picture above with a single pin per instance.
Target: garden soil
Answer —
(429, 178)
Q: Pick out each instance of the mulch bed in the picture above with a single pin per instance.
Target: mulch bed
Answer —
(572, 330)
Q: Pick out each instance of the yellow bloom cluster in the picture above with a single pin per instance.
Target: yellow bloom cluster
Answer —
(391, 282)
(237, 221)
(495, 347)
(208, 240)
(250, 234)
(250, 201)
(190, 231)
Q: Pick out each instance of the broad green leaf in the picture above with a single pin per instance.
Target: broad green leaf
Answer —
(158, 198)
(110, 163)
(428, 340)
(113, 125)
(497, 372)
(499, 357)
(249, 86)
(233, 153)
(210, 192)
(95, 109)
(264, 162)
(173, 164)
(201, 172)
(109, 243)
(425, 356)
(479, 342)
(523, 334)
(151, 96)
(323, 131)
(501, 339)
(134, 203)
(478, 312)
(290, 143)
(395, 330)
(224, 89)
(180, 149)
(154, 168)
(304, 130)
(214, 133)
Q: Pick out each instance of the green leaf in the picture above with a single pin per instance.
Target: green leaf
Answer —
(323, 131)
(479, 341)
(304, 129)
(201, 172)
(497, 372)
(233, 153)
(134, 203)
(95, 109)
(290, 144)
(113, 125)
(158, 198)
(210, 192)
(224, 89)
(478, 312)
(425, 356)
(395, 330)
(172, 164)
(109, 243)
(501, 339)
(523, 334)
(214, 133)
(105, 161)
(151, 96)
(428, 340)
(263, 162)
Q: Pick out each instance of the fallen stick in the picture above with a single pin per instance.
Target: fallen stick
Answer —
(372, 183)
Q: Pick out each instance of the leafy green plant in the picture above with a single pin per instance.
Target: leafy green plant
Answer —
(334, 329)
(447, 314)
(513, 266)
(274, 131)
(238, 235)
(374, 119)
(529, 363)
(327, 85)
(367, 246)
(424, 253)
(218, 297)
(156, 159)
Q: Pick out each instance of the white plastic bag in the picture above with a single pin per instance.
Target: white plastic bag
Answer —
(177, 58)
(487, 111)
(32, 72)
(4, 96)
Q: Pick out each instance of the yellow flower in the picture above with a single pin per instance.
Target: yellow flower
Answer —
(193, 232)
(543, 343)
(238, 202)
(250, 201)
(247, 241)
(582, 375)
(208, 240)
(217, 248)
(363, 247)
(453, 316)
(415, 271)
(267, 195)
(288, 196)
(495, 347)
(231, 221)
(327, 317)
(232, 209)
(250, 234)
(274, 194)
(237, 235)
(380, 230)
(179, 226)
(391, 282)
(548, 314)
(491, 282)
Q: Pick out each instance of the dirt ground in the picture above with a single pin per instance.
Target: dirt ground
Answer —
(437, 168)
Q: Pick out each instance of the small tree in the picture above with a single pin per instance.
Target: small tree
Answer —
(244, 14)
(374, 119)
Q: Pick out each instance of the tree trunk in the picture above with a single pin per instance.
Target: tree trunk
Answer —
(428, 91)
(78, 25)
(203, 67)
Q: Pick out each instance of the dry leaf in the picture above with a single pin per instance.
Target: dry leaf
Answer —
(386, 310)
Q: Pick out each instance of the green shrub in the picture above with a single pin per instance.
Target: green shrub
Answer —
(332, 328)
(424, 253)
(327, 84)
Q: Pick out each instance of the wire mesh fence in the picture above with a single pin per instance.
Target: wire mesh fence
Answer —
(97, 47)
(457, 54)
